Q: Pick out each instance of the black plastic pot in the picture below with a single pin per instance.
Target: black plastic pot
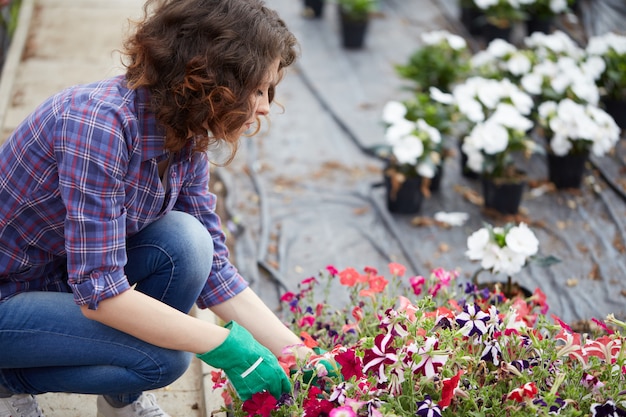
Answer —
(566, 171)
(314, 8)
(407, 198)
(502, 196)
(353, 31)
(617, 109)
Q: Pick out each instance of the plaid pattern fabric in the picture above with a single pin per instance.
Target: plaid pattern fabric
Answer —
(78, 177)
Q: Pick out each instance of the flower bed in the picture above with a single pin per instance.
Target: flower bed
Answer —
(439, 346)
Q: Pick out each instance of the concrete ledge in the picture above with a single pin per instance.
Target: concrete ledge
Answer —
(14, 57)
(213, 401)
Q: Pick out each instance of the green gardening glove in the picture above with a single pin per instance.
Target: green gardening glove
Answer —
(249, 366)
(333, 369)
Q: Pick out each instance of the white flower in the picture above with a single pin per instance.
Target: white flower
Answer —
(520, 243)
(532, 83)
(408, 150)
(399, 130)
(522, 240)
(426, 169)
(485, 4)
(499, 48)
(569, 121)
(435, 37)
(558, 6)
(441, 97)
(518, 64)
(393, 112)
(493, 136)
(452, 218)
(507, 115)
(476, 244)
(433, 134)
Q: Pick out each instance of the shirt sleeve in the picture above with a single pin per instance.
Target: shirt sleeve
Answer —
(224, 282)
(93, 156)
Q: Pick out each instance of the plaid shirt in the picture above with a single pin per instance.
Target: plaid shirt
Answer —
(78, 177)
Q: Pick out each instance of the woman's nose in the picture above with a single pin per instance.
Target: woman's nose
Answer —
(263, 106)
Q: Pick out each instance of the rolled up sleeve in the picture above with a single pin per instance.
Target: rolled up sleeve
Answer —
(224, 281)
(93, 156)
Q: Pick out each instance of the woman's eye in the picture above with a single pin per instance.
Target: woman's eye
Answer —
(259, 93)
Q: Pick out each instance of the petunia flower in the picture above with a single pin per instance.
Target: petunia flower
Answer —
(473, 321)
(332, 270)
(397, 269)
(349, 277)
(449, 387)
(417, 283)
(608, 409)
(351, 365)
(260, 404)
(344, 411)
(523, 393)
(428, 408)
(431, 360)
(380, 355)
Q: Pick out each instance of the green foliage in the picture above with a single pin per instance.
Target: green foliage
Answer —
(358, 9)
(435, 66)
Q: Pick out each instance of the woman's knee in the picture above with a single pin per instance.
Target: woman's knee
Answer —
(174, 365)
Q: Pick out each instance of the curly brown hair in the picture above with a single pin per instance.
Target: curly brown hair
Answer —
(202, 60)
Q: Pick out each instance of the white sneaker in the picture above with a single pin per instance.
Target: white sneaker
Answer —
(20, 405)
(145, 406)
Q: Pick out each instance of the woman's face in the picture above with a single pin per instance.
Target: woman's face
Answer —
(263, 97)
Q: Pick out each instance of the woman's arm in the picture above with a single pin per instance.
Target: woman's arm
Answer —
(157, 323)
(247, 309)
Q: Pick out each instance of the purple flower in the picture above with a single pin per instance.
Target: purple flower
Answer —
(428, 408)
(473, 321)
(608, 409)
(492, 352)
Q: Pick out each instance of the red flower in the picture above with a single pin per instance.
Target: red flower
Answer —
(308, 340)
(449, 385)
(314, 407)
(561, 323)
(351, 365)
(526, 391)
(397, 269)
(260, 404)
(378, 283)
(349, 277)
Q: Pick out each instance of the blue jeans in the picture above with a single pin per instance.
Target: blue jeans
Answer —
(47, 345)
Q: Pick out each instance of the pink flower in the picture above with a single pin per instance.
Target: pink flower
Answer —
(332, 270)
(417, 283)
(344, 411)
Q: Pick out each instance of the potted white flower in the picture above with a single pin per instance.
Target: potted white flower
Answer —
(541, 13)
(573, 131)
(502, 250)
(611, 49)
(414, 153)
(498, 17)
(497, 112)
(561, 69)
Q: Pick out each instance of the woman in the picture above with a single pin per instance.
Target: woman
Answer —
(108, 232)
